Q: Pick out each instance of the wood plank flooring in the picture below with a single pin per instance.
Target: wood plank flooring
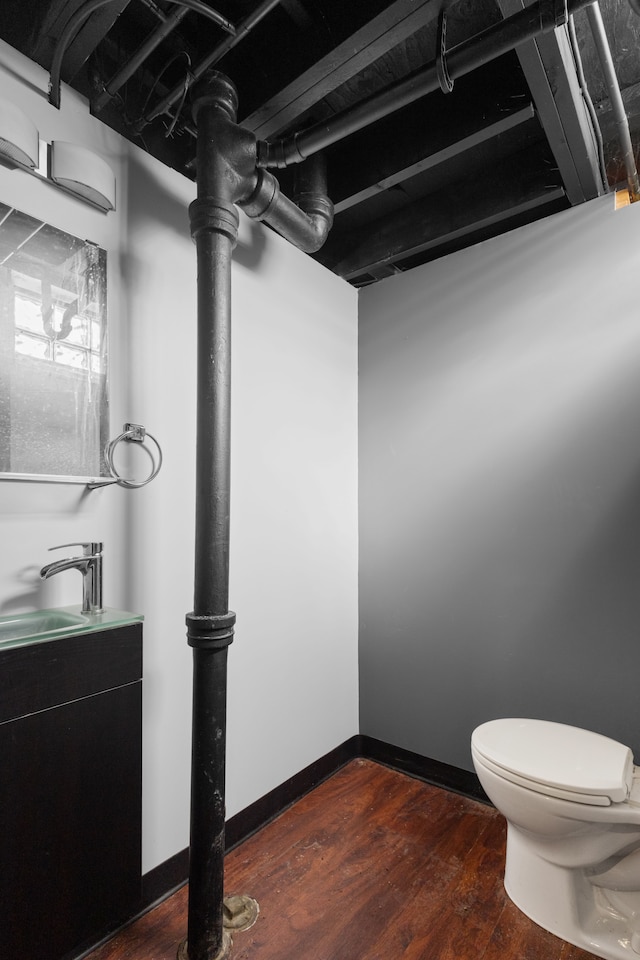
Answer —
(371, 865)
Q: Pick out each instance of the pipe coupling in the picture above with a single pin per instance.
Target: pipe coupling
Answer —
(215, 90)
(280, 153)
(210, 632)
(264, 197)
(215, 214)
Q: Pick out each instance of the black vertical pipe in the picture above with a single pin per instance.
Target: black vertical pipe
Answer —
(211, 575)
(226, 173)
(214, 223)
(205, 932)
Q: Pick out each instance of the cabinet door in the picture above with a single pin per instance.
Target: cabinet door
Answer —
(70, 824)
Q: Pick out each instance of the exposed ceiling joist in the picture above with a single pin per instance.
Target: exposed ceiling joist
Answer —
(463, 208)
(400, 21)
(513, 141)
(90, 34)
(549, 68)
(477, 130)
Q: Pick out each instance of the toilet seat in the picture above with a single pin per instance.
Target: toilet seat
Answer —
(556, 759)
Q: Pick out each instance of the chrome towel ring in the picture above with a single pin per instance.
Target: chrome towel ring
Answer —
(132, 433)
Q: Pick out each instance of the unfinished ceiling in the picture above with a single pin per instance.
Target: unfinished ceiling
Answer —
(513, 141)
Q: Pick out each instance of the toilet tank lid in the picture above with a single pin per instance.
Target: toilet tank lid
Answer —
(557, 755)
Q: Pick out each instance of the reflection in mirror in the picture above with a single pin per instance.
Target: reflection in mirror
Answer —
(53, 357)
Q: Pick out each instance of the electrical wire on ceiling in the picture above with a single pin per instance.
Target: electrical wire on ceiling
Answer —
(75, 21)
(188, 79)
(242, 30)
(108, 91)
(586, 96)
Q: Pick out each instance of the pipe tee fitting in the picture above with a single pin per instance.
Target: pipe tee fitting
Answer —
(228, 173)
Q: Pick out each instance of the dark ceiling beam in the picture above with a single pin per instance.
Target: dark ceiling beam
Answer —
(500, 194)
(470, 134)
(384, 270)
(86, 40)
(549, 68)
(399, 22)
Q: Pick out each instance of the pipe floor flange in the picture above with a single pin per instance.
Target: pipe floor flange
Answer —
(223, 953)
(240, 912)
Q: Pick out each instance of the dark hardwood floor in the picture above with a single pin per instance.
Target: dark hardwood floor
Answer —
(371, 865)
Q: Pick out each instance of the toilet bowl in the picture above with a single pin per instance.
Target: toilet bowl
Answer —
(571, 799)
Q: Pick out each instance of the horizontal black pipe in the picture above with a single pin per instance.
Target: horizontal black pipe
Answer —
(460, 60)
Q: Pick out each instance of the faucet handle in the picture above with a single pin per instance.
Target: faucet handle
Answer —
(90, 549)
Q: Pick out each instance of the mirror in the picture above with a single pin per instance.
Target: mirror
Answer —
(53, 356)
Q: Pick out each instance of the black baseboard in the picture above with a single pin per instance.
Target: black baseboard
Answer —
(160, 882)
(431, 771)
(173, 873)
(258, 814)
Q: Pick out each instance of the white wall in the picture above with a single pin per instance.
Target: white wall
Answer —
(499, 486)
(293, 665)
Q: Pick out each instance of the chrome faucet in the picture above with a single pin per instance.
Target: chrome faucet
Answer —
(89, 565)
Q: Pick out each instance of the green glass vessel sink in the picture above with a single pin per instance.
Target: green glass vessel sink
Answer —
(40, 625)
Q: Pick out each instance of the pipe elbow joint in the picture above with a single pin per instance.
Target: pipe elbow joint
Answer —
(305, 222)
(319, 212)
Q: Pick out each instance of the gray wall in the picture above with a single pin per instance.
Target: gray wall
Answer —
(500, 487)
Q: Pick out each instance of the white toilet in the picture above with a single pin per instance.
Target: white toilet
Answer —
(571, 799)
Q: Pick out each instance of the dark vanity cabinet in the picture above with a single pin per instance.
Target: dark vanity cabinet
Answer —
(70, 791)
